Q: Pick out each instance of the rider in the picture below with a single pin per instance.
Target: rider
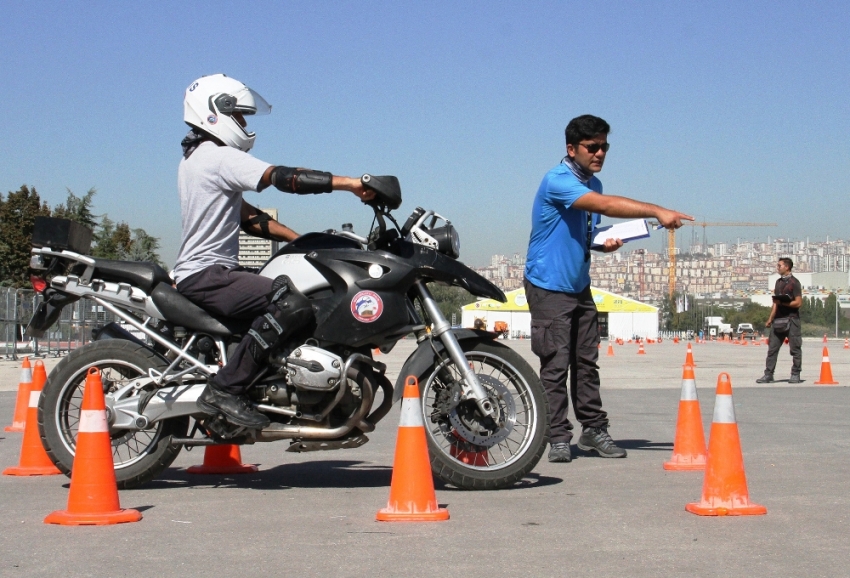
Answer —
(215, 170)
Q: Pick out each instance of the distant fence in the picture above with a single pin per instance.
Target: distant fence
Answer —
(73, 330)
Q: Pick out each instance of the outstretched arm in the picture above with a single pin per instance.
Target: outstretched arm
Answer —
(624, 207)
(258, 224)
(310, 182)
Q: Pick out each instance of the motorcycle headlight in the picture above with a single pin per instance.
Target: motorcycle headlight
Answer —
(448, 240)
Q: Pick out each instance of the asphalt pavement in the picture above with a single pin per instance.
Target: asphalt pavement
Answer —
(313, 514)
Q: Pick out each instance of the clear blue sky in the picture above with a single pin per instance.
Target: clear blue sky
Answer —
(730, 111)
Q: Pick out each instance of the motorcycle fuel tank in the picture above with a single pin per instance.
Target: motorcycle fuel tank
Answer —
(303, 275)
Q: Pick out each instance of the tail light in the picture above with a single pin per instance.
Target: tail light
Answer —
(38, 283)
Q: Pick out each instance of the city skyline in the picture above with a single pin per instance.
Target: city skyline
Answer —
(725, 270)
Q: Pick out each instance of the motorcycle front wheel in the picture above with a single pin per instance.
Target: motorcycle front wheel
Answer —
(469, 451)
(138, 456)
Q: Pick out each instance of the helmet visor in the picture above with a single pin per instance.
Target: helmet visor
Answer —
(250, 102)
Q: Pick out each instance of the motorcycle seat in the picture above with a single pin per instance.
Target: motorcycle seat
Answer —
(139, 273)
(178, 310)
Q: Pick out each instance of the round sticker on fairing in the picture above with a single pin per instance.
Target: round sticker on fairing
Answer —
(367, 306)
(212, 119)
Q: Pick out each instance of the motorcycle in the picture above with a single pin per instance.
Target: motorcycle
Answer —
(485, 411)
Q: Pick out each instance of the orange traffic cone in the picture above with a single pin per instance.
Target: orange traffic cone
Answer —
(689, 445)
(23, 400)
(34, 460)
(847, 344)
(676, 339)
(610, 349)
(824, 339)
(222, 459)
(724, 488)
(93, 498)
(641, 350)
(689, 357)
(826, 371)
(412, 497)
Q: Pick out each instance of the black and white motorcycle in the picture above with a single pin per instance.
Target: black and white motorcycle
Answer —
(484, 407)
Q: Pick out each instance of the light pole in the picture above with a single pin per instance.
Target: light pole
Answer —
(836, 314)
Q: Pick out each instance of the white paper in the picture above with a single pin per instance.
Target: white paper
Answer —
(625, 231)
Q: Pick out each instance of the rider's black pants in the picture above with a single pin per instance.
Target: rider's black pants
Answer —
(237, 293)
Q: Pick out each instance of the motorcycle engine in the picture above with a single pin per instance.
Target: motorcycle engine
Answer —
(314, 369)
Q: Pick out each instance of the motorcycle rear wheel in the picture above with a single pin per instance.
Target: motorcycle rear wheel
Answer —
(464, 451)
(138, 456)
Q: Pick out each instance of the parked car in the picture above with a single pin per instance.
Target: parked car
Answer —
(746, 331)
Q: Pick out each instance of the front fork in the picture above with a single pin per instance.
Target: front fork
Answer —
(471, 387)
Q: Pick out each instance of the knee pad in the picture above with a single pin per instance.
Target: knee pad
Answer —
(288, 310)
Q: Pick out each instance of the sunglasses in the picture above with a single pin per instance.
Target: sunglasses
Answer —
(594, 147)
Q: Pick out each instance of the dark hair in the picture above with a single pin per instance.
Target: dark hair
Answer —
(584, 127)
(788, 262)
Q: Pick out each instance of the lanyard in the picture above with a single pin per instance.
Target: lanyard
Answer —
(589, 236)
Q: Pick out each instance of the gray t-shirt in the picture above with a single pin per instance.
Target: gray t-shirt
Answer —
(211, 182)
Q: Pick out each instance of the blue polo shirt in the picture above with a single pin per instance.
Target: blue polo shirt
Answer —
(558, 243)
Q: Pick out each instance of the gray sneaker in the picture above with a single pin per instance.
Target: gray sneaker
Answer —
(795, 378)
(597, 439)
(766, 378)
(560, 452)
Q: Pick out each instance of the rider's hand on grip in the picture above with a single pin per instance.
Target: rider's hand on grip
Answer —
(387, 190)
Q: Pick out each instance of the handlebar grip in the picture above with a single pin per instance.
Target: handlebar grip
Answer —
(418, 212)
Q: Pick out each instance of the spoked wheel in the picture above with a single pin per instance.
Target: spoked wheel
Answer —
(138, 456)
(469, 450)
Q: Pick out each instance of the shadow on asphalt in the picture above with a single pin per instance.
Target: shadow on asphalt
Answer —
(320, 474)
(530, 481)
(640, 445)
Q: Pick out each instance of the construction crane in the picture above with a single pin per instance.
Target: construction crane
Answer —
(671, 243)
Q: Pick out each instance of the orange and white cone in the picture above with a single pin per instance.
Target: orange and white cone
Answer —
(826, 370)
(824, 339)
(412, 496)
(847, 344)
(222, 459)
(34, 460)
(689, 445)
(641, 350)
(724, 488)
(610, 349)
(689, 357)
(93, 498)
(19, 420)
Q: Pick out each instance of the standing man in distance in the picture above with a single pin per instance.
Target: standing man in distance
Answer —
(564, 325)
(785, 322)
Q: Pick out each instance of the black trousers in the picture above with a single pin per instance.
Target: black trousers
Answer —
(565, 336)
(237, 293)
(795, 343)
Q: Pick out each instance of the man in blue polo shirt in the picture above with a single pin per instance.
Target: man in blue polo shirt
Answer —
(564, 329)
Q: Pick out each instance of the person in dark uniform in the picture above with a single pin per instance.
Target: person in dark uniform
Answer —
(784, 322)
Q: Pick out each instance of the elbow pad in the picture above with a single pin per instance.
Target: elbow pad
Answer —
(301, 181)
(262, 219)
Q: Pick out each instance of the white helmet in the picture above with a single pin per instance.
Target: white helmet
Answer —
(211, 100)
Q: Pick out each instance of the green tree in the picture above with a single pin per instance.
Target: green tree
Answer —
(112, 241)
(17, 216)
(450, 299)
(78, 209)
(144, 248)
